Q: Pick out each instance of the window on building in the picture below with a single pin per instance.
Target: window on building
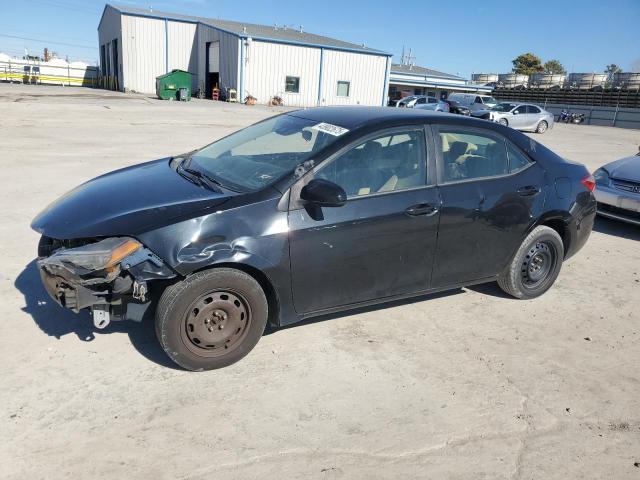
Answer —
(292, 85)
(343, 89)
(469, 155)
(394, 161)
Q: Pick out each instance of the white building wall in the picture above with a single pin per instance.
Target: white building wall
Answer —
(366, 73)
(229, 52)
(143, 56)
(183, 48)
(266, 66)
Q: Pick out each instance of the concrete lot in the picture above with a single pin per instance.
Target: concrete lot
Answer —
(464, 385)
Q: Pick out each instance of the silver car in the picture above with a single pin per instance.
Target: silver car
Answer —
(423, 101)
(618, 189)
(521, 116)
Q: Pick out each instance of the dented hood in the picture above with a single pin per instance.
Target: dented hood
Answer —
(129, 201)
(625, 169)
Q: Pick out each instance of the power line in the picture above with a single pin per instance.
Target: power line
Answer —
(48, 41)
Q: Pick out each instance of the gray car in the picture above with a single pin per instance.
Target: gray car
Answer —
(521, 116)
(425, 102)
(618, 189)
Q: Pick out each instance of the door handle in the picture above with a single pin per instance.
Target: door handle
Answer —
(421, 209)
(529, 190)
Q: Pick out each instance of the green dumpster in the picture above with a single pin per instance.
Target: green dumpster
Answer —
(168, 86)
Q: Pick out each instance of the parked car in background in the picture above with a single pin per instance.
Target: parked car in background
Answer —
(473, 101)
(309, 213)
(423, 101)
(618, 190)
(433, 104)
(521, 116)
(457, 107)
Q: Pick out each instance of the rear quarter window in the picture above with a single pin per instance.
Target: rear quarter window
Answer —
(517, 160)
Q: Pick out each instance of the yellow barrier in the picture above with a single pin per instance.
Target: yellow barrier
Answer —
(89, 81)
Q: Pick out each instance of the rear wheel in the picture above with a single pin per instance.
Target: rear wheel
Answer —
(542, 127)
(535, 266)
(211, 319)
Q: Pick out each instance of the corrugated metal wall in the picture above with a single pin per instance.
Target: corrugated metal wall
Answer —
(228, 55)
(183, 48)
(268, 64)
(143, 42)
(366, 73)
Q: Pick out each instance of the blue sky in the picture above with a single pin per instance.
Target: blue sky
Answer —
(455, 37)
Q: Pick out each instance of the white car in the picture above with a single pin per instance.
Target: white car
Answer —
(521, 116)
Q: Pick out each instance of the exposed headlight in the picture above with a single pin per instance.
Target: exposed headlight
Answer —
(97, 256)
(601, 176)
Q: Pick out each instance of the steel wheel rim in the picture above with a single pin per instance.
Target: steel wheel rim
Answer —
(216, 323)
(538, 264)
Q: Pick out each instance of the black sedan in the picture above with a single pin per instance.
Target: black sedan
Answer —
(310, 212)
(457, 107)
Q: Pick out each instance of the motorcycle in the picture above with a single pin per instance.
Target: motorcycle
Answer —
(576, 118)
(564, 115)
(567, 117)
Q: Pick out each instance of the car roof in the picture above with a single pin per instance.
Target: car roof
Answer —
(353, 117)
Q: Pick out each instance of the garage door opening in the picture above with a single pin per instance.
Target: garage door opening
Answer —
(212, 79)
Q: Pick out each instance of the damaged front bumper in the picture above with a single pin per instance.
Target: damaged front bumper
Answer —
(110, 276)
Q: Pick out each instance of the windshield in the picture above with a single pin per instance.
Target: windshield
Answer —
(489, 101)
(262, 153)
(408, 99)
(504, 107)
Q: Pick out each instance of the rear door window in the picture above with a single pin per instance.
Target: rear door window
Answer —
(532, 109)
(468, 155)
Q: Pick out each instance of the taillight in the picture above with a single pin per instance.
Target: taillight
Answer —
(590, 182)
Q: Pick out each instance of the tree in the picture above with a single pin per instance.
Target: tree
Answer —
(554, 66)
(527, 63)
(613, 68)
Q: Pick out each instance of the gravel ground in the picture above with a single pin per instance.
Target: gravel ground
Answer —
(466, 384)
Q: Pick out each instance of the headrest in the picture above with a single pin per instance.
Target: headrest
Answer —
(457, 149)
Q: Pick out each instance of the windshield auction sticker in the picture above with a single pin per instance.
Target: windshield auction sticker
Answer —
(334, 130)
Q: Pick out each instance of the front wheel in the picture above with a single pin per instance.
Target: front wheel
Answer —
(211, 319)
(535, 266)
(503, 121)
(542, 127)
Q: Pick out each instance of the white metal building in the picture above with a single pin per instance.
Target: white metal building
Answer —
(303, 69)
(405, 80)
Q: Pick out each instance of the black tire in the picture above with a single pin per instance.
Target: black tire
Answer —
(535, 266)
(542, 127)
(504, 121)
(191, 317)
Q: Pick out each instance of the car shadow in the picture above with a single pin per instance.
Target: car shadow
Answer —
(381, 306)
(617, 228)
(57, 321)
(491, 289)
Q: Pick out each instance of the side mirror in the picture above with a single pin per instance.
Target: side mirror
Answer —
(515, 112)
(323, 193)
